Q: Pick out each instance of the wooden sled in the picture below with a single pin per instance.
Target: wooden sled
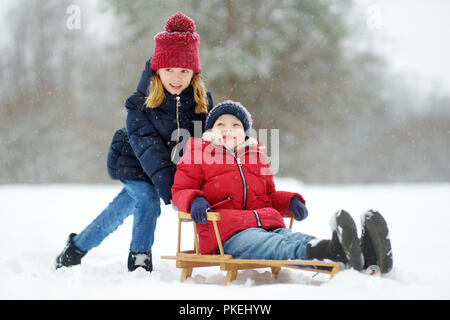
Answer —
(188, 260)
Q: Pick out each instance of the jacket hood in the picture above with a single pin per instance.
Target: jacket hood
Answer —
(144, 82)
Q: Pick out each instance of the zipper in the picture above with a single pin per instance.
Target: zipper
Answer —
(258, 220)
(178, 105)
(244, 182)
(220, 202)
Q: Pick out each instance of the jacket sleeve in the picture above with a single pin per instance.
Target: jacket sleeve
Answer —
(189, 177)
(148, 146)
(122, 163)
(280, 199)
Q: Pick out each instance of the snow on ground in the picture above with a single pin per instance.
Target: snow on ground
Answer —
(37, 219)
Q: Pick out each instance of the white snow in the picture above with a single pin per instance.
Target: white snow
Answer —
(37, 219)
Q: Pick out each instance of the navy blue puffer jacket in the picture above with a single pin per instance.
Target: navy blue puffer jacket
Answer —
(122, 163)
(152, 132)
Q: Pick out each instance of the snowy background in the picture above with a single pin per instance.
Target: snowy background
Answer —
(360, 91)
(340, 79)
(36, 221)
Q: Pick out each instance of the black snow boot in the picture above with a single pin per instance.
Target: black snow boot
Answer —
(71, 255)
(375, 242)
(344, 245)
(143, 260)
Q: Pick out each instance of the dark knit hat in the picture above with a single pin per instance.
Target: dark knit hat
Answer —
(229, 107)
(177, 47)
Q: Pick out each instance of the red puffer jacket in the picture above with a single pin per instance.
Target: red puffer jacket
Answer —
(240, 186)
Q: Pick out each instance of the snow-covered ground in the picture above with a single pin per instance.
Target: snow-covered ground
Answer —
(36, 220)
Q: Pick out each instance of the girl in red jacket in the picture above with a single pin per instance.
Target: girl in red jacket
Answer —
(226, 171)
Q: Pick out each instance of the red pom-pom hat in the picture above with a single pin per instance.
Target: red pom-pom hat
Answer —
(177, 47)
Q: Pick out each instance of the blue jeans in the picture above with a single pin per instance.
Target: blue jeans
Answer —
(138, 198)
(277, 244)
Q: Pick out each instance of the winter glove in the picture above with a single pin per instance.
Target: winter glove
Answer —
(163, 181)
(199, 206)
(298, 209)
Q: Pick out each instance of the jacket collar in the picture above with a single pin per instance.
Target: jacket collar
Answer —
(186, 99)
(250, 144)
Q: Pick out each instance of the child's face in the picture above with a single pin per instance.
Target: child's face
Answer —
(231, 129)
(175, 80)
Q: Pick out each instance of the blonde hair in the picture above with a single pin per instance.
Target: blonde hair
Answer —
(156, 93)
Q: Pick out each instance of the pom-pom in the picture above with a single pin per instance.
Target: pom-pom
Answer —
(180, 23)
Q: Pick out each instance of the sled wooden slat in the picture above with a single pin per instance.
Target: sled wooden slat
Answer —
(190, 259)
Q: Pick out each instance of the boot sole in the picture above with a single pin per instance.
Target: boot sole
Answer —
(375, 227)
(348, 237)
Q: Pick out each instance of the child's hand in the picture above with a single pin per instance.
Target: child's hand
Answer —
(298, 209)
(199, 206)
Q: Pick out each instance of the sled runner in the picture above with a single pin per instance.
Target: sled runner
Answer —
(188, 260)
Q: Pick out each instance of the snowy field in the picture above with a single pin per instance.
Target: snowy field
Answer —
(37, 219)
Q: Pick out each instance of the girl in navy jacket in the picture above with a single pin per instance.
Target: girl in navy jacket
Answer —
(169, 106)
